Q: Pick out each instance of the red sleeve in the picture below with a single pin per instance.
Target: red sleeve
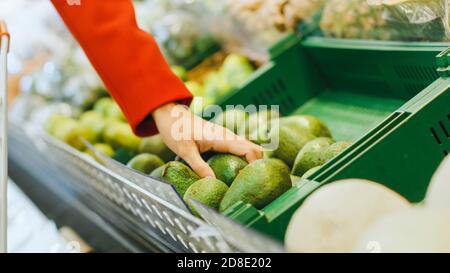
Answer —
(127, 59)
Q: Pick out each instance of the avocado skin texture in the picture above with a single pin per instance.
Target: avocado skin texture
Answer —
(226, 167)
(155, 145)
(145, 163)
(208, 191)
(290, 143)
(310, 124)
(179, 175)
(157, 173)
(258, 184)
(311, 155)
(336, 148)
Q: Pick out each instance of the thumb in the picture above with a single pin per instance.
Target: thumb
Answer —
(196, 162)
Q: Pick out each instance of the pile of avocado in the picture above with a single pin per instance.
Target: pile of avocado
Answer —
(235, 70)
(304, 145)
(104, 126)
(258, 183)
(304, 142)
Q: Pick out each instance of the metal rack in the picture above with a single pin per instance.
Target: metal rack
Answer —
(150, 214)
(4, 48)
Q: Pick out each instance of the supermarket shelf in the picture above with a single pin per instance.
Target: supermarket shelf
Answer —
(54, 193)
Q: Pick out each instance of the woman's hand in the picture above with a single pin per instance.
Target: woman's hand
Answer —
(189, 136)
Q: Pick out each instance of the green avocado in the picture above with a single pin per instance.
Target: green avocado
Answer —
(155, 145)
(113, 111)
(145, 163)
(61, 127)
(226, 167)
(311, 155)
(102, 106)
(179, 175)
(94, 121)
(290, 142)
(232, 119)
(336, 148)
(104, 148)
(120, 135)
(72, 132)
(309, 124)
(53, 122)
(208, 191)
(157, 173)
(258, 184)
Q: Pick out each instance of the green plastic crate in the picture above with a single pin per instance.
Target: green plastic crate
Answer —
(388, 97)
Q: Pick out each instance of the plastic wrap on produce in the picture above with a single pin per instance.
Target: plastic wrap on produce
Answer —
(404, 20)
(178, 27)
(252, 26)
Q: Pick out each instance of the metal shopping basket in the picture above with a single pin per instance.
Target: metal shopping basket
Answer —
(4, 48)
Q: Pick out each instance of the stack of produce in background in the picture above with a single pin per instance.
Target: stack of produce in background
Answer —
(251, 27)
(410, 20)
(210, 85)
(187, 30)
(179, 28)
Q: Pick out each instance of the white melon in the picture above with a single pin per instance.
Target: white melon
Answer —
(333, 218)
(412, 230)
(438, 194)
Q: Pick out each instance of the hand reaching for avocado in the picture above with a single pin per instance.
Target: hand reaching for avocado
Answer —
(189, 136)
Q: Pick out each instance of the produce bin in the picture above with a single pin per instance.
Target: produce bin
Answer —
(143, 210)
(387, 97)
